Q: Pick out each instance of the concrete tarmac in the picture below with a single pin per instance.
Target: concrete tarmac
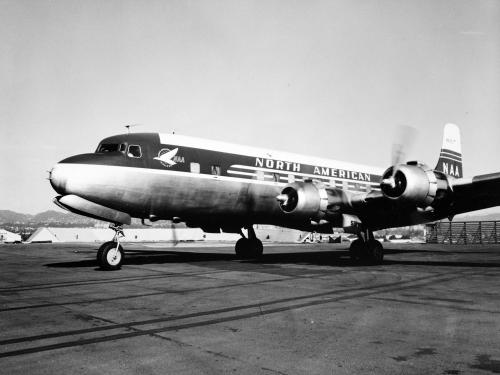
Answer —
(301, 309)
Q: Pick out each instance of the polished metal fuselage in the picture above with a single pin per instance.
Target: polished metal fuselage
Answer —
(145, 193)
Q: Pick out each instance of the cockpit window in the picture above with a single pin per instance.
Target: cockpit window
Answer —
(134, 151)
(111, 147)
(108, 147)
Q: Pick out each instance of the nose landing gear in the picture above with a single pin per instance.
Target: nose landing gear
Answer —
(110, 255)
(250, 247)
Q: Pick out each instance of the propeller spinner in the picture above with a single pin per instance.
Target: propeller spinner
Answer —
(393, 182)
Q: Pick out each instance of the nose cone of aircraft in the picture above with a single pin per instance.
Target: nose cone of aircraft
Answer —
(58, 179)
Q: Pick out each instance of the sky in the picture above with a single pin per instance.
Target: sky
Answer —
(332, 79)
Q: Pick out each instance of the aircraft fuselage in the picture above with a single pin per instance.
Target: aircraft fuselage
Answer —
(208, 184)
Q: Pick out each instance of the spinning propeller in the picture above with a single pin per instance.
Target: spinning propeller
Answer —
(393, 181)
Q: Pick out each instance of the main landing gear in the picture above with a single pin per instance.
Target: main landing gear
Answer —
(110, 255)
(250, 247)
(366, 249)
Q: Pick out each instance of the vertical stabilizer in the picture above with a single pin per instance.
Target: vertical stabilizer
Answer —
(450, 158)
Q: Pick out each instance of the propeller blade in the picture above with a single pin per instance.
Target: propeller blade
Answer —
(403, 142)
(282, 198)
(391, 182)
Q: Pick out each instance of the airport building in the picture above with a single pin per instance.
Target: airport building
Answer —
(6, 236)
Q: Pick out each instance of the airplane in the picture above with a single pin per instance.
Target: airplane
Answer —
(226, 187)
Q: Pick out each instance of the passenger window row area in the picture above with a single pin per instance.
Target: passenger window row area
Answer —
(214, 169)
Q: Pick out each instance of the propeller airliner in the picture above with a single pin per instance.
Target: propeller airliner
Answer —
(220, 186)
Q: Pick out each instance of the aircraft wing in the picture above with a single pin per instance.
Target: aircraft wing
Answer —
(468, 194)
(476, 193)
(376, 211)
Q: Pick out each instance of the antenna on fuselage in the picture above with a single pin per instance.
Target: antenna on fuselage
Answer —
(131, 126)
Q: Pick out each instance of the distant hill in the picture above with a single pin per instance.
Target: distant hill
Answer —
(7, 216)
(50, 216)
(60, 219)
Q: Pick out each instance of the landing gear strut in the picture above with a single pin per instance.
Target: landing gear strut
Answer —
(250, 247)
(110, 255)
(366, 249)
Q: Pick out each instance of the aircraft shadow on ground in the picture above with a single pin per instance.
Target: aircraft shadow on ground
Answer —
(336, 258)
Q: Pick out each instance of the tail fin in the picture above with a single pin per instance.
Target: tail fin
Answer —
(450, 158)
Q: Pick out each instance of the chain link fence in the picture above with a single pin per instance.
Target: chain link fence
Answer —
(463, 232)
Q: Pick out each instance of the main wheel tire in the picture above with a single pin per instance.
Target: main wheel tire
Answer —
(376, 252)
(241, 247)
(256, 248)
(108, 258)
(356, 250)
(249, 248)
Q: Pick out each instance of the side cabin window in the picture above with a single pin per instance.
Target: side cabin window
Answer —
(276, 177)
(215, 170)
(195, 167)
(134, 151)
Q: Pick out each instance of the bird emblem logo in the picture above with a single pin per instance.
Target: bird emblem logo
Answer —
(166, 157)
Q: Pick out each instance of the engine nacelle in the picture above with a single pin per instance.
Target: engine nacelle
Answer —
(304, 199)
(416, 183)
(312, 203)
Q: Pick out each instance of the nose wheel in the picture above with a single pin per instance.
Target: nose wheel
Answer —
(110, 255)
